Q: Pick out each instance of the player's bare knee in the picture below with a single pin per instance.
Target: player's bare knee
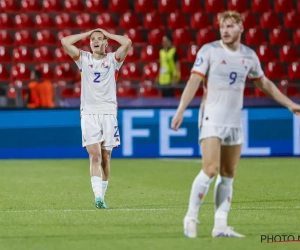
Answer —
(211, 170)
(227, 171)
(106, 158)
(95, 157)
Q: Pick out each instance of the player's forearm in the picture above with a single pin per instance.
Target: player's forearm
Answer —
(270, 89)
(123, 40)
(188, 94)
(69, 40)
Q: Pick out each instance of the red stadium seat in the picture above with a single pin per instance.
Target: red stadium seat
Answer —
(105, 20)
(147, 89)
(144, 6)
(288, 54)
(73, 6)
(298, 5)
(5, 38)
(292, 20)
(132, 55)
(130, 71)
(269, 20)
(6, 21)
(249, 20)
(30, 6)
(47, 72)
(255, 37)
(64, 20)
(275, 71)
(205, 36)
(94, 6)
(200, 20)
(64, 90)
(279, 37)
(214, 6)
(182, 37)
(44, 21)
(64, 71)
(167, 6)
(181, 53)
(4, 54)
(292, 91)
(215, 22)
(42, 54)
(135, 36)
(9, 6)
(77, 90)
(190, 6)
(150, 54)
(85, 21)
(266, 53)
(284, 6)
(20, 72)
(192, 53)
(62, 56)
(296, 37)
(88, 48)
(45, 37)
(129, 20)
(24, 37)
(259, 93)
(3, 73)
(23, 21)
(248, 92)
(155, 36)
(260, 6)
(150, 71)
(52, 6)
(184, 72)
(176, 21)
(125, 89)
(22, 54)
(118, 6)
(294, 71)
(238, 5)
(153, 20)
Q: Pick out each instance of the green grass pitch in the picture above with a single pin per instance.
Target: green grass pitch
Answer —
(49, 204)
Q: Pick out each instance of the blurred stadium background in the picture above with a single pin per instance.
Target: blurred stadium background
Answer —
(30, 33)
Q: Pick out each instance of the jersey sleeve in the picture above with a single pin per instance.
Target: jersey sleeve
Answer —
(79, 59)
(117, 63)
(201, 64)
(256, 71)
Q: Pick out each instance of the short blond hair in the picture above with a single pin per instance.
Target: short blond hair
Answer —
(230, 14)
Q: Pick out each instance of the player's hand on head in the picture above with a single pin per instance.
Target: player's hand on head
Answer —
(176, 121)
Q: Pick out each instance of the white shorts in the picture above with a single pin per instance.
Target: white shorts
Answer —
(229, 136)
(99, 128)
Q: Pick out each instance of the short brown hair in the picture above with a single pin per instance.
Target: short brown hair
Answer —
(230, 14)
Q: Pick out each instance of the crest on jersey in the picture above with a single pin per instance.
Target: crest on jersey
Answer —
(245, 64)
(199, 61)
(105, 65)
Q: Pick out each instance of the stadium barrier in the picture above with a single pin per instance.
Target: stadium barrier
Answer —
(145, 133)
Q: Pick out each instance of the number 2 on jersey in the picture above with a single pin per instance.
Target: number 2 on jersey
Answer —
(232, 76)
(97, 80)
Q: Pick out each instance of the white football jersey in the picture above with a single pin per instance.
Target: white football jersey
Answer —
(224, 72)
(98, 83)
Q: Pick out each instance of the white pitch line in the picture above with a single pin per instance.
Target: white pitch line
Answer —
(140, 209)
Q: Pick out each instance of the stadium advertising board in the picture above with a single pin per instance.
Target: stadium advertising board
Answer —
(145, 133)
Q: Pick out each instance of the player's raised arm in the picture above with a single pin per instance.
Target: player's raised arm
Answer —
(270, 89)
(68, 41)
(125, 42)
(187, 95)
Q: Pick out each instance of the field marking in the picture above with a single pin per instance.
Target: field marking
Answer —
(180, 160)
(140, 209)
